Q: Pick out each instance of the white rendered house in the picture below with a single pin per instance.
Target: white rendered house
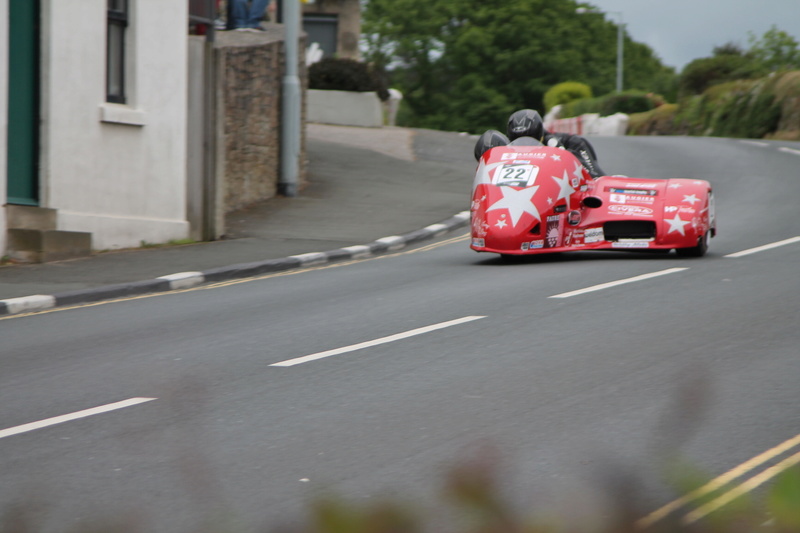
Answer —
(95, 122)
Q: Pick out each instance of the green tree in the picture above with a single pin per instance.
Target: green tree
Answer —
(467, 64)
(775, 50)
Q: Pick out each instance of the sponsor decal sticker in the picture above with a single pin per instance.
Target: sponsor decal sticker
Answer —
(630, 210)
(645, 186)
(553, 235)
(619, 198)
(524, 247)
(537, 244)
(479, 243)
(631, 244)
(634, 192)
(574, 218)
(679, 209)
(525, 155)
(479, 227)
(593, 235)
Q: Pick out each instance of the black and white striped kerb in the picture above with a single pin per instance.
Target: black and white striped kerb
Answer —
(185, 280)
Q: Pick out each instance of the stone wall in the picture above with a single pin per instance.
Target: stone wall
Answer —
(250, 70)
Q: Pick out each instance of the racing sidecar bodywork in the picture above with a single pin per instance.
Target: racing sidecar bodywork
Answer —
(538, 199)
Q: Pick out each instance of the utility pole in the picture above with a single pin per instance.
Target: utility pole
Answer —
(620, 42)
(291, 101)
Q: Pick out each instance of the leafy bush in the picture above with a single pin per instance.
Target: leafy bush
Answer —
(764, 108)
(564, 93)
(341, 74)
(659, 121)
(627, 102)
(787, 94)
(582, 107)
(702, 73)
(749, 112)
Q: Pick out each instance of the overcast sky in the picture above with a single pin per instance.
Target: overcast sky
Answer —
(682, 30)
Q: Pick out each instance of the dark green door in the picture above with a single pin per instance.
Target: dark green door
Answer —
(23, 102)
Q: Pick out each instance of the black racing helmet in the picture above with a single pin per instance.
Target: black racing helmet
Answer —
(525, 123)
(489, 139)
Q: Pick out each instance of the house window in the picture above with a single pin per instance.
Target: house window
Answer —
(117, 21)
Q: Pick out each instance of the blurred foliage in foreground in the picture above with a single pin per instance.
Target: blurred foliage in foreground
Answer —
(473, 498)
(472, 501)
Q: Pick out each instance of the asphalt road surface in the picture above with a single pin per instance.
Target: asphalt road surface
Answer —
(238, 404)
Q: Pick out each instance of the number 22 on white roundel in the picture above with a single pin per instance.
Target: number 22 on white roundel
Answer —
(516, 175)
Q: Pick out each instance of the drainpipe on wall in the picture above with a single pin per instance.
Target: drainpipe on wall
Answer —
(290, 112)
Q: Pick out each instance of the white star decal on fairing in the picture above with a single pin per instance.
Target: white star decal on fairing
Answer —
(555, 157)
(501, 223)
(674, 185)
(691, 198)
(578, 172)
(676, 224)
(482, 174)
(566, 188)
(517, 202)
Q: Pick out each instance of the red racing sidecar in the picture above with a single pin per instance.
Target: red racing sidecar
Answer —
(533, 199)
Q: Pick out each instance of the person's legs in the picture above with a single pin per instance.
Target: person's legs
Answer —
(257, 10)
(239, 13)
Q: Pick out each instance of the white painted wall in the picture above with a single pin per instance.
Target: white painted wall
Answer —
(3, 120)
(117, 171)
(344, 108)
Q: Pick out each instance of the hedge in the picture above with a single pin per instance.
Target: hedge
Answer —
(625, 102)
(763, 108)
(342, 74)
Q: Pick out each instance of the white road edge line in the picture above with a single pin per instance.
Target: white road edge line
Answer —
(765, 247)
(619, 282)
(789, 150)
(382, 340)
(72, 416)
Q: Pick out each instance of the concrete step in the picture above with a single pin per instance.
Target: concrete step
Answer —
(43, 246)
(27, 217)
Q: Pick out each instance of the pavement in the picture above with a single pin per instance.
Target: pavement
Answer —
(370, 191)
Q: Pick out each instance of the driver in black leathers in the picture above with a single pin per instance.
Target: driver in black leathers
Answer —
(528, 123)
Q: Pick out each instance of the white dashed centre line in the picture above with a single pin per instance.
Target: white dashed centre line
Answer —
(755, 143)
(789, 150)
(765, 247)
(619, 282)
(72, 416)
(382, 340)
